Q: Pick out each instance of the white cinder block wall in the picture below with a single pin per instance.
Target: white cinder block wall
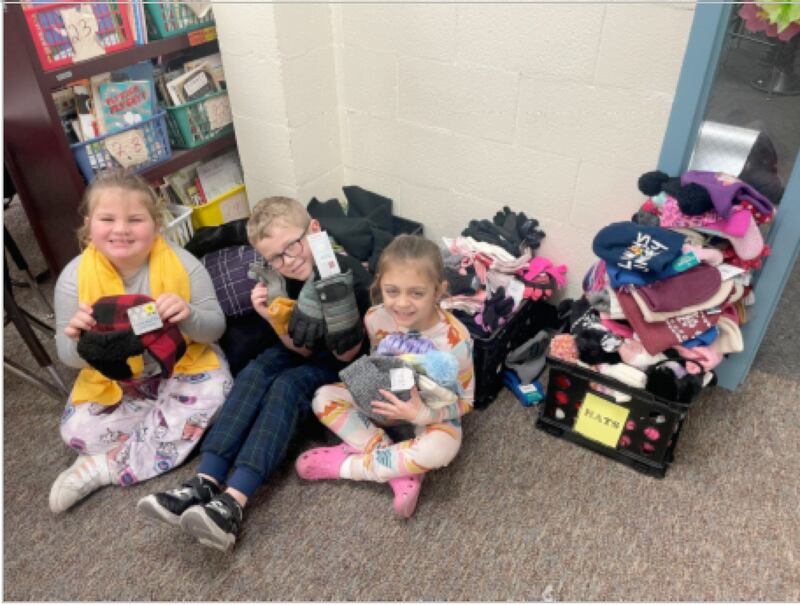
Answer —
(455, 110)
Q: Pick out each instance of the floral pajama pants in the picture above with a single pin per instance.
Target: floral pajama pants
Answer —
(145, 436)
(433, 446)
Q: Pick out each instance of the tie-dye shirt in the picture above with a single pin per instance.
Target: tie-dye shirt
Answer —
(448, 335)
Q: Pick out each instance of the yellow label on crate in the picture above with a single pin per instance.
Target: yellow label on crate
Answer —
(601, 420)
(201, 36)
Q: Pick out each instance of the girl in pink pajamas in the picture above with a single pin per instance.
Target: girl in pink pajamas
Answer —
(408, 285)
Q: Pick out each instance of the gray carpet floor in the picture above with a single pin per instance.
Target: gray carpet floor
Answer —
(519, 515)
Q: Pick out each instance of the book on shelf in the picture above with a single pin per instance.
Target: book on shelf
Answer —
(214, 64)
(182, 183)
(83, 108)
(141, 71)
(194, 84)
(219, 175)
(124, 104)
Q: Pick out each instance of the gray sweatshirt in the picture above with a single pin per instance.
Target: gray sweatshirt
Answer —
(206, 323)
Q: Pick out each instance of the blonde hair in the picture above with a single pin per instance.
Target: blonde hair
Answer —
(117, 178)
(409, 249)
(272, 210)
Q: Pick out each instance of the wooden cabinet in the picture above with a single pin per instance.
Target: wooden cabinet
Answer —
(36, 151)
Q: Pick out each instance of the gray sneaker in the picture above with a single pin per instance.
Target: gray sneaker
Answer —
(216, 524)
(168, 506)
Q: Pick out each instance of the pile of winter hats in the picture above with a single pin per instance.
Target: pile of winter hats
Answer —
(491, 269)
(665, 302)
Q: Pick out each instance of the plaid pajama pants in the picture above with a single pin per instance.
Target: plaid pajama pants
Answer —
(270, 396)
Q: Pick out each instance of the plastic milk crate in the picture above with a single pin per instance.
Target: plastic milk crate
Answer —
(170, 18)
(199, 121)
(641, 433)
(225, 208)
(65, 33)
(489, 354)
(179, 230)
(139, 146)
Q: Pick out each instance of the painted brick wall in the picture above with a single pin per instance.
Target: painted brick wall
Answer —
(455, 110)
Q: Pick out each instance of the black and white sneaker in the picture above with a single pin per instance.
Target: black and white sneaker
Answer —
(215, 524)
(170, 505)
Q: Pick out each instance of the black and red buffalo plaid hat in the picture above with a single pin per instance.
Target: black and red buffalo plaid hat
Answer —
(111, 341)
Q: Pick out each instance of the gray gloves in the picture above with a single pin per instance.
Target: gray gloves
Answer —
(306, 325)
(274, 281)
(343, 326)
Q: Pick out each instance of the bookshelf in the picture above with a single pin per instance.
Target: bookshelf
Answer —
(35, 149)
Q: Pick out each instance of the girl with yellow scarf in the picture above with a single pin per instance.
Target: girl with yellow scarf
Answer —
(126, 431)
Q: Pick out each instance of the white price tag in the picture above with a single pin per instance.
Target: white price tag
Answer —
(516, 290)
(128, 147)
(402, 379)
(82, 31)
(727, 271)
(144, 318)
(218, 111)
(324, 257)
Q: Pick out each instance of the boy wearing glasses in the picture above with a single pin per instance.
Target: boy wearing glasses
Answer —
(320, 326)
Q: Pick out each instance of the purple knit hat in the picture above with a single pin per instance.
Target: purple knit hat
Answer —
(727, 191)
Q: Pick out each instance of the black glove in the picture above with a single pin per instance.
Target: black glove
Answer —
(306, 325)
(343, 326)
(107, 352)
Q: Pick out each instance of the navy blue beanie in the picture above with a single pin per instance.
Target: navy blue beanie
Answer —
(635, 247)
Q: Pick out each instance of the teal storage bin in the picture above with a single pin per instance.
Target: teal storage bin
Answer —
(189, 124)
(166, 19)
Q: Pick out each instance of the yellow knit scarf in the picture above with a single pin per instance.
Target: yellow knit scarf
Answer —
(97, 277)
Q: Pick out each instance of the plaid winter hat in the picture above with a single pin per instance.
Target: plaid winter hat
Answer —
(634, 247)
(111, 341)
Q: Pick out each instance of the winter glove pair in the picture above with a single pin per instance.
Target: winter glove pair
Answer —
(524, 230)
(327, 308)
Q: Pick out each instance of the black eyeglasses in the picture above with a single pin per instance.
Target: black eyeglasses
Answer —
(293, 250)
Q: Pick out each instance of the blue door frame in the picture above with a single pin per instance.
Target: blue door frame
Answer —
(703, 53)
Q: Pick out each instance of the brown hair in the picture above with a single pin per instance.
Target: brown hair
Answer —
(409, 249)
(109, 179)
(271, 210)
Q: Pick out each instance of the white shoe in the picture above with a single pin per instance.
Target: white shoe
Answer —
(86, 474)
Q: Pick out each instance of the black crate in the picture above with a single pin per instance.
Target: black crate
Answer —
(489, 354)
(567, 387)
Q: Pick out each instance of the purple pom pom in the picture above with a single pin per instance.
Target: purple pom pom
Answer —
(399, 343)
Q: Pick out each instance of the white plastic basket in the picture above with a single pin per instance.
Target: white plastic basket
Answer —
(179, 230)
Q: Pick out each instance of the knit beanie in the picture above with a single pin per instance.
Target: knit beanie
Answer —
(727, 191)
(366, 376)
(635, 247)
(111, 341)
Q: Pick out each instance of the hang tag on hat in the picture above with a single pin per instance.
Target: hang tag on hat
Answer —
(402, 379)
(322, 251)
(728, 271)
(685, 262)
(144, 318)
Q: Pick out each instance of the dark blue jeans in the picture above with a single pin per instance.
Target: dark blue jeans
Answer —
(270, 396)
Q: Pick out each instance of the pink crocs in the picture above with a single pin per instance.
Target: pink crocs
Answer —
(406, 493)
(323, 462)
